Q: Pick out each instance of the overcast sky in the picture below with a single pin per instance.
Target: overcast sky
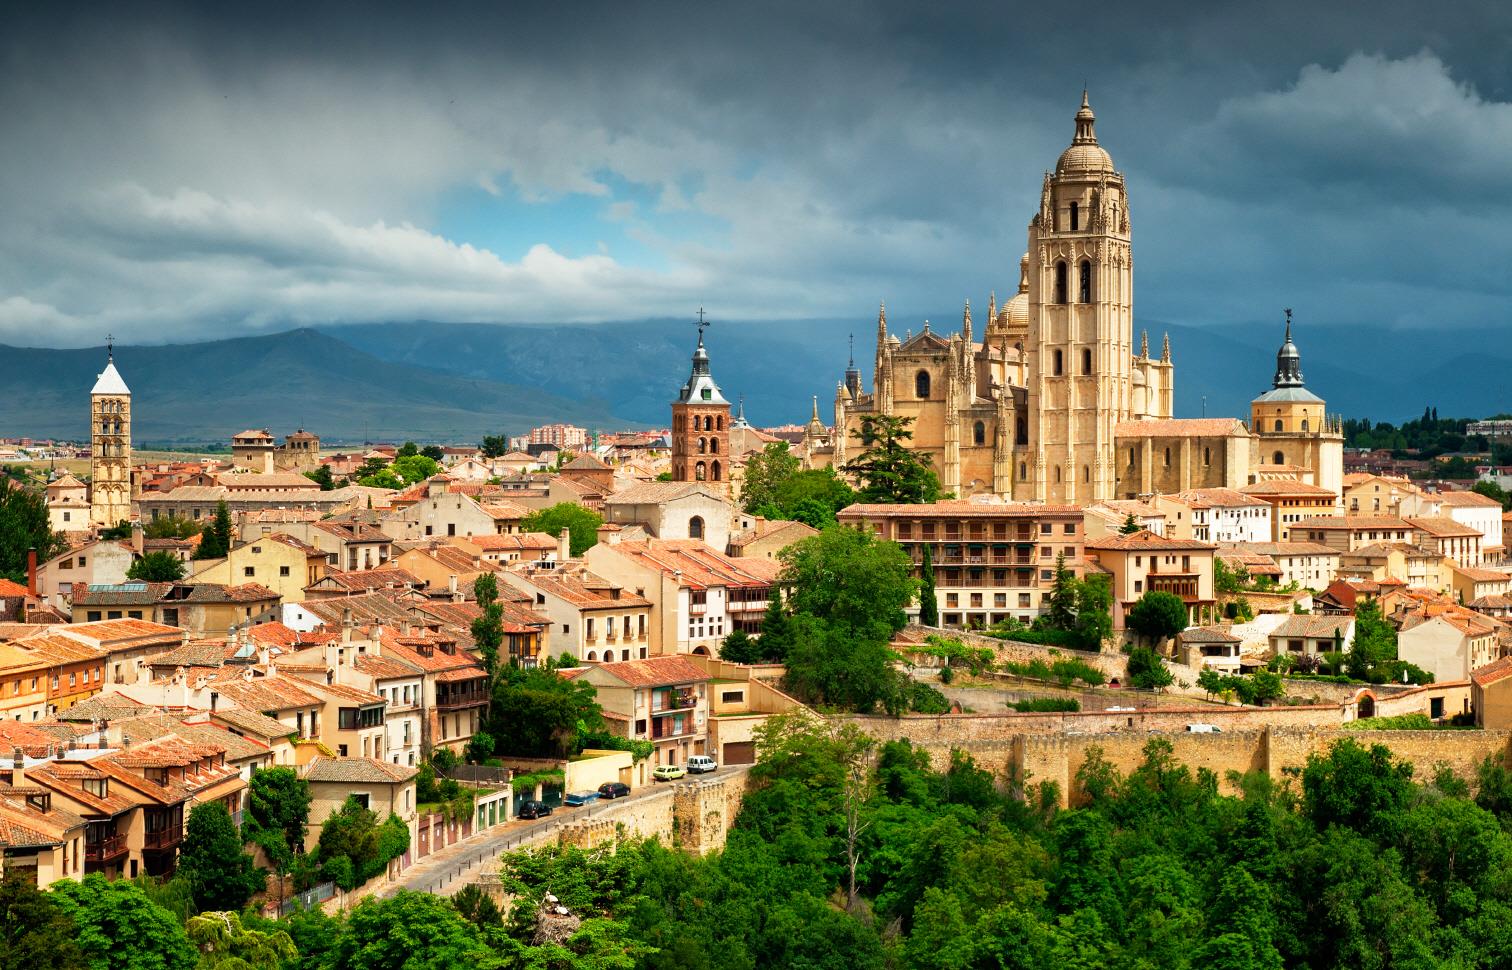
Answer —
(165, 173)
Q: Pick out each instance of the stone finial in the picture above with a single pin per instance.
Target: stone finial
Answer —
(1165, 349)
(1144, 344)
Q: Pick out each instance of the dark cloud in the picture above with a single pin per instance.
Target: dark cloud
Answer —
(169, 171)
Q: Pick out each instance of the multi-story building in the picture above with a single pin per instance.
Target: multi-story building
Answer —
(1291, 501)
(280, 562)
(1142, 561)
(201, 608)
(566, 437)
(663, 700)
(1452, 540)
(68, 507)
(698, 595)
(992, 560)
(1477, 512)
(1310, 565)
(1347, 533)
(592, 618)
(1377, 495)
(1216, 515)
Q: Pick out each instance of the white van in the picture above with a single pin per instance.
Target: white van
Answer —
(700, 763)
(1204, 729)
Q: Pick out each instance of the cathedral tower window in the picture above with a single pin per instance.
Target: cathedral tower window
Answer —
(979, 433)
(1168, 458)
(1278, 424)
(1086, 361)
(1131, 457)
(1207, 456)
(1058, 364)
(1060, 282)
(1021, 433)
(719, 422)
(713, 446)
(1278, 459)
(696, 527)
(715, 470)
(1086, 473)
(921, 385)
(1075, 217)
(1085, 287)
(1304, 424)
(700, 472)
(703, 445)
(1057, 474)
(1023, 471)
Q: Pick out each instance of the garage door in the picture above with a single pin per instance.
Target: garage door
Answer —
(740, 753)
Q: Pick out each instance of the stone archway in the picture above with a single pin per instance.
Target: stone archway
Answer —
(1365, 704)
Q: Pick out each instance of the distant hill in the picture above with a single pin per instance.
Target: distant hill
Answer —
(302, 378)
(456, 382)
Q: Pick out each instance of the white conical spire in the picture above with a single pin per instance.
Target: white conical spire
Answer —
(109, 380)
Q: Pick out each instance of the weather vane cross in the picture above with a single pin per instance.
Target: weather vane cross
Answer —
(703, 322)
(110, 345)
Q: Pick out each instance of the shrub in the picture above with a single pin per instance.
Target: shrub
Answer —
(926, 700)
(1047, 705)
(1401, 722)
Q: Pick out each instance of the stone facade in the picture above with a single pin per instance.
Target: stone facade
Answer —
(110, 448)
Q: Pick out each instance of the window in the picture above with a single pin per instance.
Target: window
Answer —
(696, 527)
(700, 473)
(1075, 217)
(1168, 458)
(1278, 458)
(1207, 456)
(1084, 287)
(713, 446)
(1058, 364)
(249, 571)
(1086, 473)
(1304, 424)
(1057, 475)
(1023, 471)
(1278, 424)
(1086, 361)
(979, 433)
(283, 570)
(714, 468)
(921, 385)
(1070, 529)
(703, 445)
(1060, 282)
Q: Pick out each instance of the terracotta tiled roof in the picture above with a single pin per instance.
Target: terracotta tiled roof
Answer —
(1209, 498)
(251, 723)
(1285, 486)
(655, 493)
(1467, 500)
(961, 509)
(385, 667)
(1353, 523)
(1283, 549)
(654, 671)
(10, 590)
(1312, 626)
(265, 693)
(1442, 527)
(1481, 575)
(361, 771)
(1208, 634)
(522, 541)
(767, 529)
(1182, 428)
(1146, 541)
(384, 576)
(582, 589)
(1492, 672)
(700, 566)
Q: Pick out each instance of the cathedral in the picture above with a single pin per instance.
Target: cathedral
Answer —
(1053, 401)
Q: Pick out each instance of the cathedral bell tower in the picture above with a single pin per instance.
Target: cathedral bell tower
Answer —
(700, 423)
(110, 447)
(1079, 346)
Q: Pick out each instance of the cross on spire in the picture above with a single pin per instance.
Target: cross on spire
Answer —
(1288, 324)
(110, 346)
(852, 350)
(702, 324)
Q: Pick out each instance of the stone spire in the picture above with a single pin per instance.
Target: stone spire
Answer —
(852, 373)
(1288, 360)
(991, 307)
(966, 322)
(1165, 349)
(1144, 344)
(1084, 122)
(882, 323)
(700, 386)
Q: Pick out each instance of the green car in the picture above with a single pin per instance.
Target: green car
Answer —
(668, 772)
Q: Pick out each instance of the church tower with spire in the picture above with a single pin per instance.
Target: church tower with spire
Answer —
(1291, 426)
(700, 424)
(110, 446)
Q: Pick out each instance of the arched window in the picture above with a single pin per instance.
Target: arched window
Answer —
(1168, 458)
(708, 423)
(1086, 361)
(700, 472)
(713, 446)
(1075, 217)
(703, 445)
(1114, 208)
(1207, 456)
(1278, 459)
(696, 527)
(1086, 473)
(1057, 474)
(719, 423)
(1023, 471)
(1021, 431)
(1059, 364)
(1060, 282)
(592, 655)
(1304, 424)
(715, 470)
(979, 433)
(921, 385)
(1085, 286)
(1278, 424)
(1131, 457)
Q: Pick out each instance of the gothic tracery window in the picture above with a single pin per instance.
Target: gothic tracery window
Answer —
(921, 385)
(1085, 288)
(979, 433)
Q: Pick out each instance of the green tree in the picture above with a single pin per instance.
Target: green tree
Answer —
(407, 450)
(23, 526)
(414, 468)
(850, 579)
(223, 942)
(157, 567)
(220, 875)
(278, 808)
(1094, 611)
(1229, 581)
(119, 928)
(1494, 491)
(1356, 786)
(889, 471)
(494, 446)
(34, 930)
(582, 523)
(1158, 615)
(1146, 671)
(348, 848)
(765, 471)
(476, 906)
(171, 527)
(1130, 525)
(740, 648)
(216, 540)
(409, 931)
(776, 629)
(488, 627)
(812, 497)
(929, 606)
(434, 453)
(121, 530)
(1374, 645)
(1060, 605)
(382, 478)
(535, 713)
(322, 476)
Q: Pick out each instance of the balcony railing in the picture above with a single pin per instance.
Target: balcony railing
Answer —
(105, 849)
(681, 700)
(163, 838)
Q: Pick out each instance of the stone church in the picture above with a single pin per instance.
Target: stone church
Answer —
(1053, 401)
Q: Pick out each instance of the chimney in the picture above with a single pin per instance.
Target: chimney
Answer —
(564, 545)
(31, 572)
(138, 537)
(451, 585)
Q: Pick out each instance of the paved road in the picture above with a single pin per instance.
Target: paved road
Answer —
(448, 870)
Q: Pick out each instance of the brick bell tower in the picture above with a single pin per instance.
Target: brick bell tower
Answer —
(701, 423)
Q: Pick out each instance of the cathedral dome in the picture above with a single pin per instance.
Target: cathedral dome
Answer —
(1085, 155)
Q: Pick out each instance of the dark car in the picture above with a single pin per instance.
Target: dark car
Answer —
(613, 789)
(533, 809)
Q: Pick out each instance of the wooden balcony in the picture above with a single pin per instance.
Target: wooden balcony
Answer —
(107, 849)
(163, 838)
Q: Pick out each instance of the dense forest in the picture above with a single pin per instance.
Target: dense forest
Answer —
(849, 854)
(1426, 437)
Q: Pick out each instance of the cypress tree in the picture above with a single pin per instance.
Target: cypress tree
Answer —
(776, 630)
(929, 607)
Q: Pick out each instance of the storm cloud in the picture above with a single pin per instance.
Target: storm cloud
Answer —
(166, 173)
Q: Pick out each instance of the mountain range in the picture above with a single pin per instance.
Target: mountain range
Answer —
(457, 382)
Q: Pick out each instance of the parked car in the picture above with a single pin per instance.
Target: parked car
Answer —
(668, 772)
(533, 809)
(581, 798)
(1204, 729)
(700, 763)
(613, 789)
